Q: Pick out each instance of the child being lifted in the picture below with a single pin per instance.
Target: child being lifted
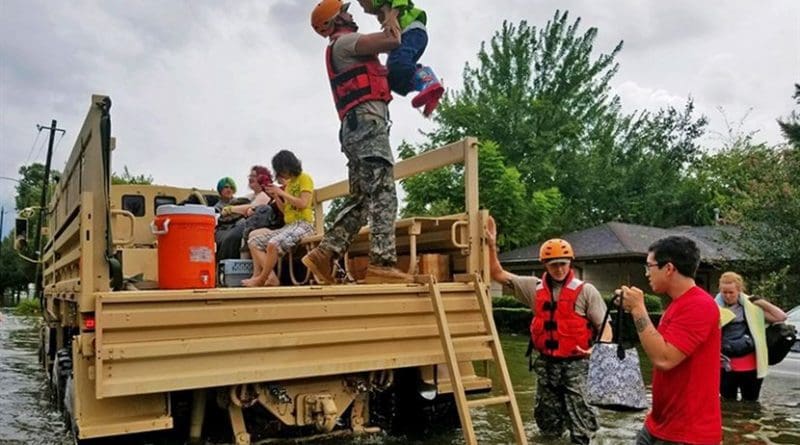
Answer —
(405, 74)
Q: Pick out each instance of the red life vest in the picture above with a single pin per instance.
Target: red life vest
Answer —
(358, 84)
(556, 329)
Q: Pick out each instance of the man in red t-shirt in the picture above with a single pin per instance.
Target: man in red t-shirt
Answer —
(684, 349)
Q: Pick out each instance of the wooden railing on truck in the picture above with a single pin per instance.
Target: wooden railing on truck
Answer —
(469, 225)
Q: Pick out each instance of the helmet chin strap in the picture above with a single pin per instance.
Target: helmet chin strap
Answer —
(341, 22)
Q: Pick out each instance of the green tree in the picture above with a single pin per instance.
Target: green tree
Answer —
(757, 188)
(543, 97)
(128, 178)
(791, 126)
(16, 273)
(536, 92)
(441, 192)
(29, 189)
(634, 170)
(770, 230)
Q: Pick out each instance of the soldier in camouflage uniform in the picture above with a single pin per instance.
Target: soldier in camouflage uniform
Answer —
(372, 191)
(361, 95)
(566, 314)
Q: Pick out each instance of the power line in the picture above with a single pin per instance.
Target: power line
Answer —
(40, 150)
(30, 152)
(59, 141)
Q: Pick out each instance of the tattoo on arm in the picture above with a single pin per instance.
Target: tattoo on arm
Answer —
(641, 323)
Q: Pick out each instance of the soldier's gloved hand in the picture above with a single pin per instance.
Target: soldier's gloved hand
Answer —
(227, 210)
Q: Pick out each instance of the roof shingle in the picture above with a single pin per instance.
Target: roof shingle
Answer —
(616, 240)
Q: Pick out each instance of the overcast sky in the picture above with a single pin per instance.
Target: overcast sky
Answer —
(204, 89)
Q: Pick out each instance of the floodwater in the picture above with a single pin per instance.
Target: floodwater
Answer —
(26, 416)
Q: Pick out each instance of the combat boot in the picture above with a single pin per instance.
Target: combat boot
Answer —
(429, 87)
(320, 262)
(386, 275)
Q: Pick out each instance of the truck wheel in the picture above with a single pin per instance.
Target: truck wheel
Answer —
(401, 410)
(47, 343)
(41, 350)
(69, 411)
(62, 368)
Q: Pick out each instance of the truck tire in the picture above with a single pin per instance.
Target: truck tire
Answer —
(62, 369)
(69, 411)
(400, 410)
(40, 352)
(47, 342)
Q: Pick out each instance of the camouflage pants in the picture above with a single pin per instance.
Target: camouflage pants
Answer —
(373, 196)
(560, 399)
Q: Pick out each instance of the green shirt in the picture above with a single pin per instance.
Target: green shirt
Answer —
(408, 13)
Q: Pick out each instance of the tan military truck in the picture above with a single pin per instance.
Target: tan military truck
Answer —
(300, 359)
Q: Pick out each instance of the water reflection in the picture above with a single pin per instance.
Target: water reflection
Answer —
(26, 416)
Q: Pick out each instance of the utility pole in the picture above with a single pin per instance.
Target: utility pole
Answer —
(42, 210)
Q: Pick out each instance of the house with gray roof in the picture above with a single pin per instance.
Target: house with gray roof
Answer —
(614, 253)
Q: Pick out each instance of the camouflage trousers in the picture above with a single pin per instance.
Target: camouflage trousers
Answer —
(560, 399)
(373, 196)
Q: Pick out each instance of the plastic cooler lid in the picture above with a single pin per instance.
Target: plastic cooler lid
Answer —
(186, 209)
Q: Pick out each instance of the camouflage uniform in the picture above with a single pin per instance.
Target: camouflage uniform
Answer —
(560, 389)
(373, 196)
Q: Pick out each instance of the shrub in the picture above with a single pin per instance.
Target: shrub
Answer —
(507, 301)
(653, 303)
(27, 307)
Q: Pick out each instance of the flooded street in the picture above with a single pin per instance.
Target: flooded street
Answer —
(26, 416)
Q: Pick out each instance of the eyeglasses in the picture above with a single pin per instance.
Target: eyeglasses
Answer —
(647, 266)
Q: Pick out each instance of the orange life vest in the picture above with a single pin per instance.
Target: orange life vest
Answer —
(556, 329)
(357, 84)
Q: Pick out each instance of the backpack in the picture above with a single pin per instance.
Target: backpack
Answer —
(780, 338)
(267, 216)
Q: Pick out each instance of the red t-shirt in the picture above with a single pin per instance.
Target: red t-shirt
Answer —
(686, 406)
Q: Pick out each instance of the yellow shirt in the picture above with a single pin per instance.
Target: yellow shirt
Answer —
(296, 186)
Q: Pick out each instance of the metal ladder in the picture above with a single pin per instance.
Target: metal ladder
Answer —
(507, 397)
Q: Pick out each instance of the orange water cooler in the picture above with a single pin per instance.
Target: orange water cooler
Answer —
(186, 248)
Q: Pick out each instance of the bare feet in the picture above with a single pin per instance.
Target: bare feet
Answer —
(253, 282)
(273, 280)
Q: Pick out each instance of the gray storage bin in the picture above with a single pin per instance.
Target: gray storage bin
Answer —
(233, 271)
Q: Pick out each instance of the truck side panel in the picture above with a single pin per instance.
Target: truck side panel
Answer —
(112, 416)
(175, 340)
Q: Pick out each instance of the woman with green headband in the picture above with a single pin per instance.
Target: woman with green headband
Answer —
(226, 187)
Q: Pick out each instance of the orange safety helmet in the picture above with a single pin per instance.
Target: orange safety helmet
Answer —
(323, 14)
(555, 248)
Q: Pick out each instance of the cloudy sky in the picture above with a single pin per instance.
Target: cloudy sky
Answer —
(203, 89)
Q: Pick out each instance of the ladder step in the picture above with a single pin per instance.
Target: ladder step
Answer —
(473, 338)
(463, 278)
(488, 401)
